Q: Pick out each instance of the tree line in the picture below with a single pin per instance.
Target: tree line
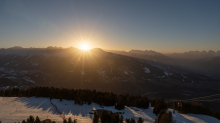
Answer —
(81, 96)
(194, 108)
(109, 117)
(185, 107)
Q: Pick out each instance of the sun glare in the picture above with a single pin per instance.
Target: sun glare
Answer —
(84, 47)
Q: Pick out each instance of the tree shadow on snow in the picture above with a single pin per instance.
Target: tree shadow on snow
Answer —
(67, 107)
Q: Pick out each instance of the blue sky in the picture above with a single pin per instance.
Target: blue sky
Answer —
(163, 26)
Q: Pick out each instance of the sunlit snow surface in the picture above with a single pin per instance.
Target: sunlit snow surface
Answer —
(14, 109)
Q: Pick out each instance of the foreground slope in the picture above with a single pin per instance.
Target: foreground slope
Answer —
(14, 109)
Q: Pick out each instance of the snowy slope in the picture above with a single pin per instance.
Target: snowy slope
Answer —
(15, 109)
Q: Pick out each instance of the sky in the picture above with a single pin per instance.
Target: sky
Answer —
(161, 25)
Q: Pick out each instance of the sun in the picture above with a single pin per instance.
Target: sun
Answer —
(84, 47)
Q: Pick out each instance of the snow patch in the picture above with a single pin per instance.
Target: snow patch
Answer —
(82, 72)
(146, 70)
(6, 64)
(28, 79)
(166, 73)
(28, 56)
(126, 72)
(10, 77)
(101, 73)
(131, 72)
(35, 64)
(184, 76)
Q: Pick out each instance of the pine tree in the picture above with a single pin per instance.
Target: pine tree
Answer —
(69, 120)
(75, 121)
(132, 120)
(127, 120)
(23, 121)
(89, 101)
(159, 105)
(121, 119)
(37, 120)
(164, 117)
(105, 117)
(64, 121)
(61, 99)
(95, 118)
(30, 119)
(140, 120)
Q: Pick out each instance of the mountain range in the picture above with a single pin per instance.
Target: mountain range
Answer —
(135, 72)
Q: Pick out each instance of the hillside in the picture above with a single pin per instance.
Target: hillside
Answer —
(206, 63)
(17, 109)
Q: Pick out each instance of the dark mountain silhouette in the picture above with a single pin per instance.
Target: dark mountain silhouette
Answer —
(203, 62)
(194, 55)
(146, 55)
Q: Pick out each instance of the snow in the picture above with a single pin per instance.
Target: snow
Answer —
(14, 109)
(146, 70)
(193, 118)
(35, 64)
(166, 73)
(131, 72)
(6, 64)
(82, 72)
(7, 87)
(101, 72)
(184, 76)
(14, 57)
(28, 56)
(126, 72)
(28, 79)
(10, 77)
